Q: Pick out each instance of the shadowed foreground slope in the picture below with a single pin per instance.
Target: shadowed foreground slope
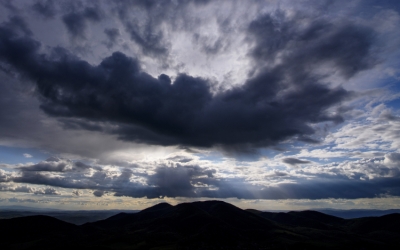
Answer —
(204, 225)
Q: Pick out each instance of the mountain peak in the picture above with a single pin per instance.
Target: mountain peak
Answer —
(158, 206)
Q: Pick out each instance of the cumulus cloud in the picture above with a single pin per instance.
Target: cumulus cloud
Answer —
(47, 191)
(180, 158)
(54, 164)
(26, 155)
(77, 192)
(27, 189)
(98, 193)
(294, 161)
(365, 178)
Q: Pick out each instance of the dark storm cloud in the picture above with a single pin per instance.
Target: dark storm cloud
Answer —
(294, 161)
(82, 124)
(45, 8)
(389, 4)
(276, 104)
(64, 173)
(39, 178)
(347, 46)
(77, 22)
(98, 193)
(17, 23)
(9, 5)
(112, 35)
(54, 164)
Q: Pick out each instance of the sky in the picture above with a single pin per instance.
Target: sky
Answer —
(272, 105)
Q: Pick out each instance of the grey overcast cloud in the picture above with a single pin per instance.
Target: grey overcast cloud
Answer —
(264, 104)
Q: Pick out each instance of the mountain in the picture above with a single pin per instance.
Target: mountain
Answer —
(357, 213)
(310, 219)
(204, 225)
(74, 217)
(189, 224)
(24, 208)
(29, 231)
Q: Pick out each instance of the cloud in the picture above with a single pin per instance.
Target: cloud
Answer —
(365, 178)
(27, 155)
(143, 21)
(22, 200)
(45, 9)
(274, 105)
(23, 189)
(180, 158)
(112, 36)
(294, 161)
(77, 192)
(98, 193)
(76, 22)
(17, 23)
(47, 191)
(377, 131)
(54, 164)
(209, 45)
(27, 189)
(347, 46)
(178, 181)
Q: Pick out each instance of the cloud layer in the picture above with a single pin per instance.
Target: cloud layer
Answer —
(279, 101)
(377, 177)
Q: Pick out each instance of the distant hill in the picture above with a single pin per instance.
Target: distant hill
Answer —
(357, 213)
(75, 217)
(25, 208)
(204, 225)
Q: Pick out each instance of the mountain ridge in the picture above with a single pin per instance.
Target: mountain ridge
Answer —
(206, 225)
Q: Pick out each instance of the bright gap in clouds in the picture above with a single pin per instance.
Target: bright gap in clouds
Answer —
(288, 105)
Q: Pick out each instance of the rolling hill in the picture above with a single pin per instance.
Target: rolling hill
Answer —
(204, 225)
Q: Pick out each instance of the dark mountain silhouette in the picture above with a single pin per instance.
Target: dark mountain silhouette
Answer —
(46, 231)
(204, 225)
(75, 217)
(357, 213)
(310, 219)
(388, 222)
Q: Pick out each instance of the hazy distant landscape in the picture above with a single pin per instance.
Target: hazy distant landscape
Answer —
(198, 225)
(74, 217)
(83, 216)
